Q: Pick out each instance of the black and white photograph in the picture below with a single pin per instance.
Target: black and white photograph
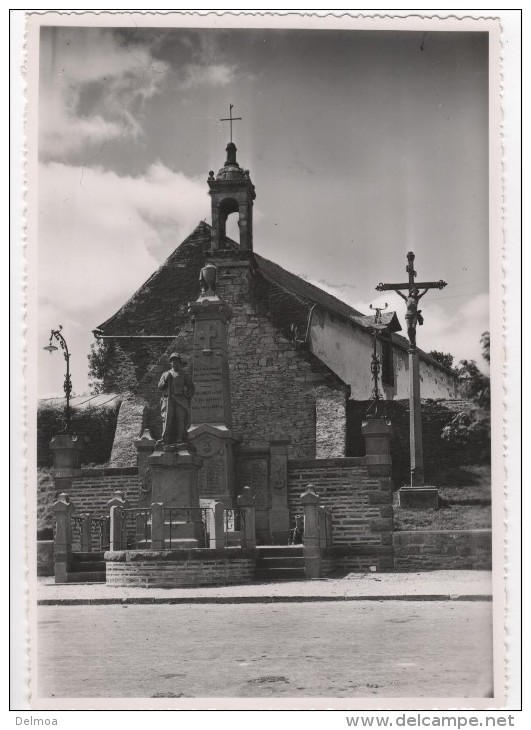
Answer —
(264, 450)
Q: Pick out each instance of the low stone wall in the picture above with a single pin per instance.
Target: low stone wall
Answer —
(45, 558)
(91, 491)
(443, 550)
(179, 568)
(360, 499)
(328, 562)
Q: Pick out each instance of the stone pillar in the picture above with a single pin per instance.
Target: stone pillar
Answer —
(117, 500)
(118, 541)
(67, 450)
(377, 435)
(246, 502)
(145, 446)
(321, 514)
(415, 419)
(210, 434)
(312, 550)
(63, 509)
(329, 535)
(278, 488)
(211, 402)
(217, 526)
(310, 504)
(86, 533)
(157, 526)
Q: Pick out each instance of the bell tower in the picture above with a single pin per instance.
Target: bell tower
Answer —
(231, 191)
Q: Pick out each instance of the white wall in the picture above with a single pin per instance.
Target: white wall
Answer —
(347, 350)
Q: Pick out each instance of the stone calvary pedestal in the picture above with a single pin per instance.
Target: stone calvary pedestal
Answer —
(210, 434)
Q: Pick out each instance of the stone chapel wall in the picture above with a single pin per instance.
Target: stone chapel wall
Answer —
(273, 385)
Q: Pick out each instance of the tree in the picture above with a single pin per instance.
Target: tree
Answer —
(444, 358)
(111, 370)
(478, 382)
(485, 346)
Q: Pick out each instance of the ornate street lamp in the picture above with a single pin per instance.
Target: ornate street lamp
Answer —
(50, 347)
(375, 360)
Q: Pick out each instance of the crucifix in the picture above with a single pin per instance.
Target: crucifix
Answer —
(231, 119)
(414, 317)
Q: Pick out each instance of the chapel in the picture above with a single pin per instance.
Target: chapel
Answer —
(298, 358)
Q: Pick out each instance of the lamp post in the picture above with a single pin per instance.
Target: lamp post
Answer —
(50, 347)
(375, 360)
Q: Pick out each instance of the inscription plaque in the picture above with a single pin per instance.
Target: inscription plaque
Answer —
(211, 476)
(254, 473)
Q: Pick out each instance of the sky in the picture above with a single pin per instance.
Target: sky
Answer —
(362, 146)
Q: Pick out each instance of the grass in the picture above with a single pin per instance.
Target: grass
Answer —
(465, 506)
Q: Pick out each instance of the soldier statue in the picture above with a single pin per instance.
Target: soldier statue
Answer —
(177, 391)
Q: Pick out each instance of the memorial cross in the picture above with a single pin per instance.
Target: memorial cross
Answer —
(207, 336)
(413, 315)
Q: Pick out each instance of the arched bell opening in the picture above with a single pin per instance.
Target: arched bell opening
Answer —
(229, 224)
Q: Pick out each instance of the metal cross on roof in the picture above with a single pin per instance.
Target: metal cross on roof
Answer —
(231, 119)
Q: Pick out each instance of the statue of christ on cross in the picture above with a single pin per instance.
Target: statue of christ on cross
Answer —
(413, 313)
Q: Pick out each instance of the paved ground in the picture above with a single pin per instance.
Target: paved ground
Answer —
(433, 585)
(322, 649)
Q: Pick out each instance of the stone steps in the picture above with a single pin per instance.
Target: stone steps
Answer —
(87, 568)
(280, 563)
(96, 576)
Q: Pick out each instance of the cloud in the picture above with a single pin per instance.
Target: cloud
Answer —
(210, 75)
(94, 85)
(101, 234)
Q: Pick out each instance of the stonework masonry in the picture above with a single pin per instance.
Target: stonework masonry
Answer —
(131, 419)
(91, 491)
(175, 569)
(273, 384)
(361, 507)
(443, 550)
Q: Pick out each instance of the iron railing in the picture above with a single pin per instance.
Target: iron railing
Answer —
(76, 525)
(99, 531)
(174, 517)
(136, 528)
(234, 522)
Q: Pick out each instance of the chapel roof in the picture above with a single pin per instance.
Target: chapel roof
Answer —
(160, 306)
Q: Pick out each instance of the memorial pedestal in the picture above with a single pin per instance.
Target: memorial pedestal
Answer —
(215, 446)
(175, 485)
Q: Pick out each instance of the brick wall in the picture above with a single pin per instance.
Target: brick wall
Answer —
(443, 550)
(94, 488)
(360, 500)
(176, 569)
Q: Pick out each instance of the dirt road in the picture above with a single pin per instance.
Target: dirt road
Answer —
(365, 649)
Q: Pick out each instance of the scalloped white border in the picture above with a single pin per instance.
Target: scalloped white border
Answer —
(336, 19)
